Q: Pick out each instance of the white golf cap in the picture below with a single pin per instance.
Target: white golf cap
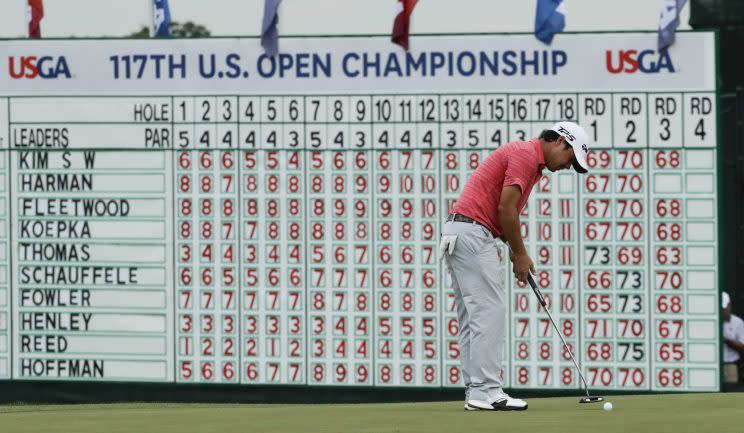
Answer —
(579, 141)
(725, 300)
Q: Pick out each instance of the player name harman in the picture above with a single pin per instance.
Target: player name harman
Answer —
(38, 321)
(78, 275)
(54, 229)
(56, 182)
(55, 298)
(75, 207)
(40, 252)
(62, 367)
(41, 137)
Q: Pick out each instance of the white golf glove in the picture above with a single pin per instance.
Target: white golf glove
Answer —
(447, 245)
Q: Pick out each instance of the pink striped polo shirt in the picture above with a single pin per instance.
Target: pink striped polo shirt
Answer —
(517, 163)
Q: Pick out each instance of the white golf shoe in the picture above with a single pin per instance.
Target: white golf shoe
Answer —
(502, 402)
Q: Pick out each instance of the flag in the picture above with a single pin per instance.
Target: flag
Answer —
(269, 32)
(550, 19)
(162, 19)
(669, 21)
(401, 25)
(34, 14)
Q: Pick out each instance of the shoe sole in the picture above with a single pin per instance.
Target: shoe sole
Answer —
(496, 409)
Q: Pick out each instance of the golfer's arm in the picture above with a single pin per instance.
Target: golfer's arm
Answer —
(736, 345)
(509, 218)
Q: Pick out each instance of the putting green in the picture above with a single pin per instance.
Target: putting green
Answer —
(680, 413)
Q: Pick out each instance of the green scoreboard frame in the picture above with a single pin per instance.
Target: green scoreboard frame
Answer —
(183, 212)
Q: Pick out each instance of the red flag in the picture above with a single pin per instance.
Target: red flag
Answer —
(35, 13)
(402, 21)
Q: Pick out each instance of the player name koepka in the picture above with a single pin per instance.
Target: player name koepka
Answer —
(62, 229)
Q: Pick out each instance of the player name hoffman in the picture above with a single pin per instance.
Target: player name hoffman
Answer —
(75, 207)
(56, 182)
(62, 367)
(79, 275)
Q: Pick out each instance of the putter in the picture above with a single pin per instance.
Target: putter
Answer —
(536, 290)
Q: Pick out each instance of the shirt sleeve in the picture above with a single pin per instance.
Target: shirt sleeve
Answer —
(739, 332)
(520, 167)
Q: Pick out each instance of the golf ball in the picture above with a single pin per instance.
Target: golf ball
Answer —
(608, 406)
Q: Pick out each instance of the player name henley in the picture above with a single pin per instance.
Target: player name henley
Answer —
(518, 163)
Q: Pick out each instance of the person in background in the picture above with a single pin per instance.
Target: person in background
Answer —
(733, 337)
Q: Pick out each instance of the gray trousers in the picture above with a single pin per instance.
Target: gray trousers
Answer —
(478, 272)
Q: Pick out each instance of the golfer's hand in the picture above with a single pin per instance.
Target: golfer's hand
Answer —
(522, 265)
(447, 245)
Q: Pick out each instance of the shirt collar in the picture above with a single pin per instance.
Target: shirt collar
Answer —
(540, 155)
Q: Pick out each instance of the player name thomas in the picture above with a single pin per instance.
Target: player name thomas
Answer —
(54, 252)
(78, 275)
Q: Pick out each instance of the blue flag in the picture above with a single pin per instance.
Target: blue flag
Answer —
(669, 21)
(550, 19)
(269, 32)
(162, 19)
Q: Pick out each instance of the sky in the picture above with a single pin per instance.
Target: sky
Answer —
(101, 18)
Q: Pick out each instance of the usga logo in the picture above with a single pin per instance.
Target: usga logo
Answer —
(631, 61)
(46, 67)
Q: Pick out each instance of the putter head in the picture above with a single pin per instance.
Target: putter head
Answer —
(591, 399)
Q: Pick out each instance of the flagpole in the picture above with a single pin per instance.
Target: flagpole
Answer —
(26, 17)
(152, 17)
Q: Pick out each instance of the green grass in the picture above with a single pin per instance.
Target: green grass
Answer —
(709, 413)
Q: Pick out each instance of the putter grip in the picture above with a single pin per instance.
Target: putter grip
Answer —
(536, 290)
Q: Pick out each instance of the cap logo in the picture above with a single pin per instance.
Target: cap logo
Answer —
(584, 148)
(567, 134)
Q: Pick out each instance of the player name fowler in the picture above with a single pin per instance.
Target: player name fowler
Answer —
(78, 275)
(55, 298)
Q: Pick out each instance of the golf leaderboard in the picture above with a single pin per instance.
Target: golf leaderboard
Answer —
(193, 211)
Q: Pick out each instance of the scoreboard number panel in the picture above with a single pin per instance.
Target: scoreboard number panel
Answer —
(201, 213)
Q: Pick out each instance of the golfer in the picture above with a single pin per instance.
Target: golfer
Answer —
(487, 210)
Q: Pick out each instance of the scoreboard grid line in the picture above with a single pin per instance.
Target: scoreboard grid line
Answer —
(650, 280)
(174, 243)
(10, 258)
(580, 263)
